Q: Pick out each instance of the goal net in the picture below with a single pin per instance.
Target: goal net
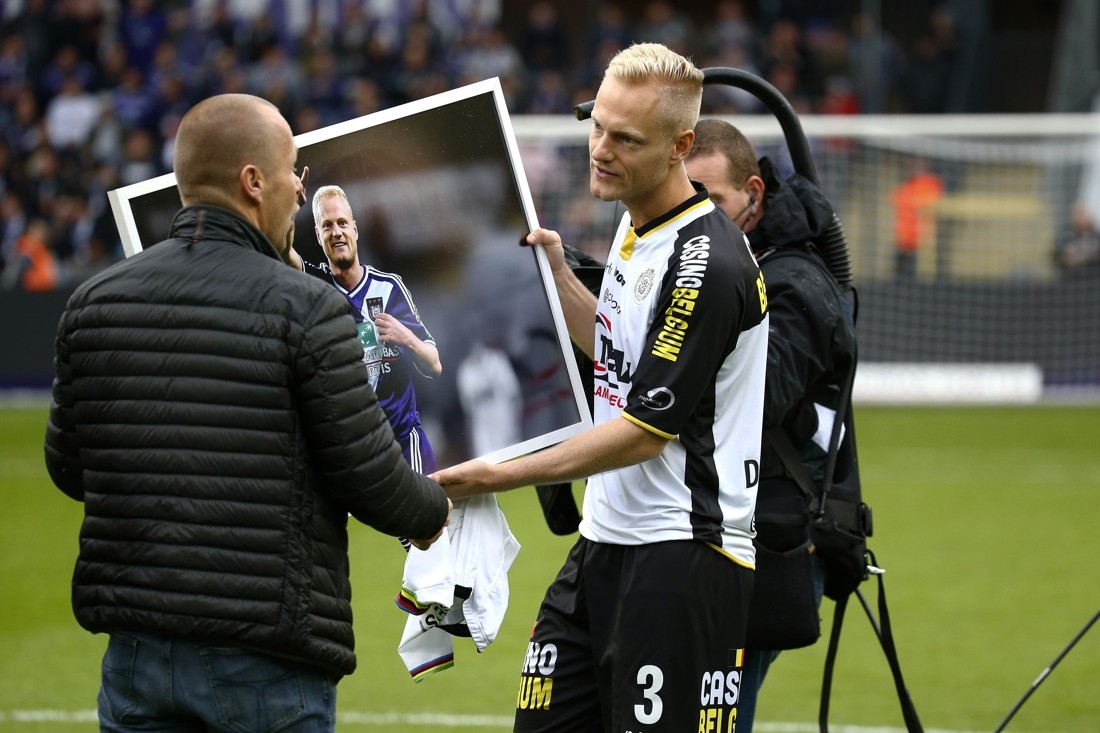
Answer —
(974, 285)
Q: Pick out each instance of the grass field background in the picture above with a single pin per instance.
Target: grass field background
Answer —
(986, 520)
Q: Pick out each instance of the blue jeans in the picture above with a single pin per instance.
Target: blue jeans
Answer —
(757, 661)
(155, 683)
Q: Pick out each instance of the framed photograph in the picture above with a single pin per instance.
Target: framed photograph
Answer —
(440, 200)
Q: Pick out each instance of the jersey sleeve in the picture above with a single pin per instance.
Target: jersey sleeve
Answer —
(401, 307)
(700, 310)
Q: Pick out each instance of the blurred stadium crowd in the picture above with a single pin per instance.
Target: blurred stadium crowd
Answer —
(91, 91)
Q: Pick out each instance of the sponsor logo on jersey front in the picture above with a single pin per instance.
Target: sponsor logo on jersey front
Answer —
(690, 272)
(378, 357)
(611, 367)
(367, 336)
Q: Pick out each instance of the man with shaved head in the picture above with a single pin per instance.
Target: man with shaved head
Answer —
(211, 411)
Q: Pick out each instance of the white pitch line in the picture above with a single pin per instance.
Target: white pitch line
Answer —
(439, 720)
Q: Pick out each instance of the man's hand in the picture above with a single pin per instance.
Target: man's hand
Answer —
(551, 244)
(302, 196)
(577, 302)
(393, 331)
(425, 544)
(424, 353)
(466, 479)
(290, 255)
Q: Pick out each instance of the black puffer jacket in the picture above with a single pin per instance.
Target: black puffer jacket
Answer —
(212, 411)
(811, 338)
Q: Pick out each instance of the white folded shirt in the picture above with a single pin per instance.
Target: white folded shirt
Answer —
(457, 587)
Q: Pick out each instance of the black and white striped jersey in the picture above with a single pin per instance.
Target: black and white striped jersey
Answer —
(681, 348)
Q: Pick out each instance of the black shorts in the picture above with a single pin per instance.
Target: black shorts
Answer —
(637, 638)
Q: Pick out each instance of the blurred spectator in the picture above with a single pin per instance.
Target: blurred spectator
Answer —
(420, 24)
(104, 178)
(591, 70)
(839, 97)
(81, 23)
(66, 63)
(221, 26)
(13, 222)
(545, 42)
(7, 174)
(1077, 252)
(165, 65)
(359, 42)
(785, 78)
(730, 29)
(549, 96)
(134, 103)
(827, 44)
(877, 62)
(784, 56)
(112, 66)
(925, 81)
(106, 142)
(13, 66)
(169, 126)
(139, 159)
(489, 53)
(415, 76)
(278, 79)
(361, 97)
(193, 41)
(142, 27)
(662, 23)
(224, 75)
(43, 182)
(323, 88)
(255, 38)
(308, 118)
(724, 99)
(70, 229)
(71, 115)
(32, 266)
(609, 29)
(914, 215)
(24, 130)
(33, 24)
(171, 101)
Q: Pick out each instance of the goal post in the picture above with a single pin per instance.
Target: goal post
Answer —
(966, 289)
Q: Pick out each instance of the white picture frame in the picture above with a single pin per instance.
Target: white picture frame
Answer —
(440, 197)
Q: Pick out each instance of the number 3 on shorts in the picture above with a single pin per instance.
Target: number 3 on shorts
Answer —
(652, 679)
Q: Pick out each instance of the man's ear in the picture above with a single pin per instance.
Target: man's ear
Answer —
(252, 182)
(682, 147)
(755, 186)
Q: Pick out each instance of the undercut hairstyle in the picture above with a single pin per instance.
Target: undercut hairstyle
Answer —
(718, 137)
(327, 192)
(682, 82)
(216, 139)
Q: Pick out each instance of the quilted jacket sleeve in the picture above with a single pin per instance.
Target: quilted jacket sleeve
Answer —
(62, 456)
(360, 462)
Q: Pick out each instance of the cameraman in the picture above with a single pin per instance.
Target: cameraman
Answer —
(811, 347)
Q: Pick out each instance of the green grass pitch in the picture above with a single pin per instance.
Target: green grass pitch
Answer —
(986, 521)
